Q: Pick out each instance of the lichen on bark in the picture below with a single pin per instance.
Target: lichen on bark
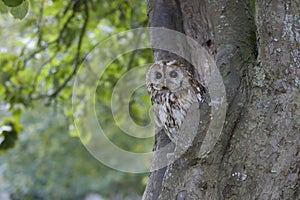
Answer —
(257, 52)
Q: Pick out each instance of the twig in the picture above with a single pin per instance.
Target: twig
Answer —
(78, 60)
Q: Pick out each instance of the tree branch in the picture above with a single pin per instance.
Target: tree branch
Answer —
(78, 60)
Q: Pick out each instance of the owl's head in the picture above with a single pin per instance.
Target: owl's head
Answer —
(167, 75)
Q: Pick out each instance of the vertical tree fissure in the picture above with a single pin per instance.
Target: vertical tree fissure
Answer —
(256, 48)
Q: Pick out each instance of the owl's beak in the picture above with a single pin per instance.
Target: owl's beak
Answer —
(163, 88)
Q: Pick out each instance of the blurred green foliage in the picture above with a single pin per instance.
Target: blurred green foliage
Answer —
(49, 164)
(43, 44)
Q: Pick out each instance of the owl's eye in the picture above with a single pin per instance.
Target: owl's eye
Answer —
(173, 74)
(158, 75)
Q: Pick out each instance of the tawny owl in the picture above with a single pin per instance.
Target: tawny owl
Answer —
(173, 89)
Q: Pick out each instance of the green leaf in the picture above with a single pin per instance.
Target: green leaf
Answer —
(17, 114)
(9, 133)
(20, 11)
(3, 7)
(13, 3)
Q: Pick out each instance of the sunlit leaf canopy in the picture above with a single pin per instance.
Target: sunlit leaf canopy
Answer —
(44, 43)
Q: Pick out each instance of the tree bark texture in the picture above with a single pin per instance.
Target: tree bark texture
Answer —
(257, 50)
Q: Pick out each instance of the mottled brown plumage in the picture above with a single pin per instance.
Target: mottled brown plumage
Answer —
(173, 89)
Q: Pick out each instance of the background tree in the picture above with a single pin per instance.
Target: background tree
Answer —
(256, 48)
(41, 54)
(47, 163)
(43, 44)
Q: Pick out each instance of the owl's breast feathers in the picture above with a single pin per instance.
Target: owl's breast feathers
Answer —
(170, 108)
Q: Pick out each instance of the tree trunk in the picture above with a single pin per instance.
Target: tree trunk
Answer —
(256, 47)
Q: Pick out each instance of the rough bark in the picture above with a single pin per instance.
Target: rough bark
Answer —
(257, 50)
(273, 115)
(174, 15)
